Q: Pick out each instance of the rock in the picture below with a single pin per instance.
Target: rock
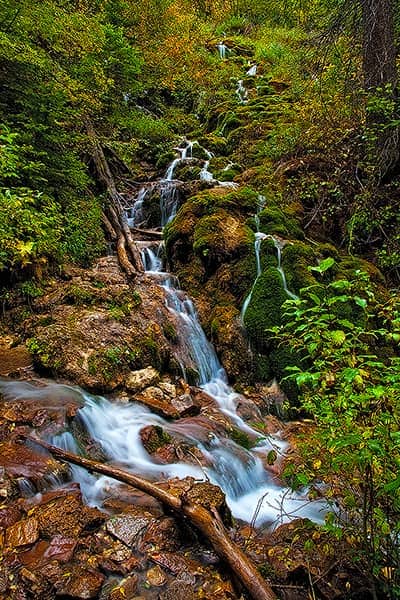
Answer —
(125, 589)
(162, 534)
(185, 406)
(22, 533)
(66, 516)
(155, 399)
(156, 576)
(137, 381)
(21, 461)
(80, 583)
(168, 388)
(176, 563)
(127, 527)
(9, 515)
(178, 590)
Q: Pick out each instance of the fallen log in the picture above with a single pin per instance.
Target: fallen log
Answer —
(206, 519)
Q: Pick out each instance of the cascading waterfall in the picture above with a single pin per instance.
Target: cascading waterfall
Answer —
(241, 92)
(222, 50)
(116, 426)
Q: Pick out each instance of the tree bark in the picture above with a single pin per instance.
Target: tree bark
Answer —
(207, 521)
(380, 81)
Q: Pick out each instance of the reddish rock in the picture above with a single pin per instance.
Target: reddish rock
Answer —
(66, 516)
(125, 589)
(185, 406)
(78, 582)
(154, 398)
(179, 590)
(21, 461)
(9, 515)
(176, 563)
(22, 533)
(161, 534)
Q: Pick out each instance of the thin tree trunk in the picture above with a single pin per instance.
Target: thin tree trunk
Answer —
(207, 521)
(380, 81)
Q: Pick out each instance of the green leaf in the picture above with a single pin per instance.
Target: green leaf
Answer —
(340, 284)
(324, 265)
(393, 485)
(360, 301)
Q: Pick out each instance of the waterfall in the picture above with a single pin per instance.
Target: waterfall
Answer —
(250, 491)
(222, 50)
(241, 92)
(252, 72)
(279, 245)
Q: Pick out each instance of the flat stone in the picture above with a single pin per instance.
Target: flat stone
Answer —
(125, 589)
(156, 576)
(21, 461)
(126, 527)
(22, 533)
(66, 516)
(176, 563)
(139, 380)
(185, 406)
(80, 583)
(155, 399)
(9, 515)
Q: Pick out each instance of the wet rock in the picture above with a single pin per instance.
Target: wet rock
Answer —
(80, 583)
(178, 590)
(156, 576)
(21, 461)
(22, 533)
(155, 399)
(14, 360)
(176, 563)
(125, 589)
(137, 381)
(66, 516)
(126, 528)
(161, 534)
(185, 406)
(9, 515)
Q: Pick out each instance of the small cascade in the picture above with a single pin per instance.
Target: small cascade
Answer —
(205, 174)
(259, 237)
(252, 72)
(241, 92)
(115, 426)
(222, 50)
(135, 217)
(279, 245)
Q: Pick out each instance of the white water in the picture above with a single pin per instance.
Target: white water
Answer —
(222, 50)
(241, 92)
(252, 71)
(279, 245)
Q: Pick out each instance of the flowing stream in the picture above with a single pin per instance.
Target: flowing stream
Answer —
(250, 490)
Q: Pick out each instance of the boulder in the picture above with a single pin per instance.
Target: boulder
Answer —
(137, 381)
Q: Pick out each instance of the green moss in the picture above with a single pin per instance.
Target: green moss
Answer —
(107, 364)
(264, 310)
(79, 296)
(241, 438)
(296, 258)
(157, 439)
(170, 332)
(44, 354)
(273, 220)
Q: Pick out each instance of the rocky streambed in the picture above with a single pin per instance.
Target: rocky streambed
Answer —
(54, 544)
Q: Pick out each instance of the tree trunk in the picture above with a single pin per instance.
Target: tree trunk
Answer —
(207, 520)
(380, 81)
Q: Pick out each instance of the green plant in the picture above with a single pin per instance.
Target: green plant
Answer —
(349, 381)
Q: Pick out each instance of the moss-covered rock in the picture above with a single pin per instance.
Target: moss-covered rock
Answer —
(265, 307)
